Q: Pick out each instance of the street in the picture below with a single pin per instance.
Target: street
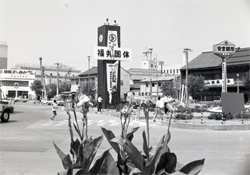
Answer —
(26, 142)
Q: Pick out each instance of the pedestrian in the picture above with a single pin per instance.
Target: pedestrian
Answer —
(99, 100)
(158, 108)
(54, 107)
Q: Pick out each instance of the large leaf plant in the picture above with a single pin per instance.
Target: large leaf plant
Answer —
(130, 161)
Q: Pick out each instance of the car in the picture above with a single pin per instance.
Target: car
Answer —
(5, 110)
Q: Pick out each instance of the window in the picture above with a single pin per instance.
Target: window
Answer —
(121, 82)
(146, 84)
(159, 84)
(153, 84)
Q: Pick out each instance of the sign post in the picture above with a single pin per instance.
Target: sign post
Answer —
(224, 50)
(16, 86)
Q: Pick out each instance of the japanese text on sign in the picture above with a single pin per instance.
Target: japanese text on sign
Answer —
(105, 53)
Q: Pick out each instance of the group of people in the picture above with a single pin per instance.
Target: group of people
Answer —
(161, 106)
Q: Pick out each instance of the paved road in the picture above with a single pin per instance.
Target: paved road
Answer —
(26, 142)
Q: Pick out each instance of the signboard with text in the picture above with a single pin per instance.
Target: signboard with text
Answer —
(106, 53)
(224, 48)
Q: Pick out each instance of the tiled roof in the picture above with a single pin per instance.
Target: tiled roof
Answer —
(91, 71)
(239, 57)
(204, 60)
(209, 59)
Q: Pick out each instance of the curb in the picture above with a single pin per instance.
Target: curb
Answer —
(217, 127)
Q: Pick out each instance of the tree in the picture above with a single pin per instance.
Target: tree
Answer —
(246, 82)
(64, 86)
(51, 90)
(92, 90)
(167, 88)
(37, 86)
(196, 86)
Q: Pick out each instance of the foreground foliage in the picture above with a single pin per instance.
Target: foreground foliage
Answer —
(130, 160)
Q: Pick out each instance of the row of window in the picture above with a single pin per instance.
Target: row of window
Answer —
(153, 84)
(11, 83)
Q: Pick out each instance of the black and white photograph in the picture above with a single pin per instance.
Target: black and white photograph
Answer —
(124, 87)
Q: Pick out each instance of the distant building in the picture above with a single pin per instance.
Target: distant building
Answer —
(209, 65)
(3, 55)
(91, 76)
(50, 71)
(137, 75)
(16, 83)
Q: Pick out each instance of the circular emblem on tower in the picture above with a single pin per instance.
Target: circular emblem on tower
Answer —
(100, 38)
(112, 37)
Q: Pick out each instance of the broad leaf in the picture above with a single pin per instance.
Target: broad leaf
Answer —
(105, 164)
(66, 161)
(134, 171)
(133, 154)
(178, 173)
(75, 147)
(145, 145)
(193, 168)
(110, 135)
(64, 172)
(130, 135)
(90, 149)
(81, 172)
(151, 166)
(168, 162)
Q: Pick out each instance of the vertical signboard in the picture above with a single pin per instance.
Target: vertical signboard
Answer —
(224, 50)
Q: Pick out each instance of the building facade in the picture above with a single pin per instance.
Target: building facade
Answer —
(16, 83)
(50, 72)
(209, 65)
(3, 55)
(91, 77)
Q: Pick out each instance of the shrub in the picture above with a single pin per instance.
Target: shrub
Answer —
(184, 116)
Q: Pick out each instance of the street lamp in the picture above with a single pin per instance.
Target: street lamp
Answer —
(238, 89)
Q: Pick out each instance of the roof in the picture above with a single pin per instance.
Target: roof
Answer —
(210, 60)
(92, 71)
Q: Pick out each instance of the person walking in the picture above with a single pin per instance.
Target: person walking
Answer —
(99, 100)
(158, 108)
(54, 107)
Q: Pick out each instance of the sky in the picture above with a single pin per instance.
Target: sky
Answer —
(65, 31)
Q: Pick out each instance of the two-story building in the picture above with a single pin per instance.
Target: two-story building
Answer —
(91, 77)
(209, 65)
(16, 83)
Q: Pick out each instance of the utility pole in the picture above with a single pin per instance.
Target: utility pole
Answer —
(186, 50)
(88, 74)
(150, 51)
(44, 83)
(146, 54)
(57, 89)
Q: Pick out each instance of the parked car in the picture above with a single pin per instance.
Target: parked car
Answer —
(5, 110)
